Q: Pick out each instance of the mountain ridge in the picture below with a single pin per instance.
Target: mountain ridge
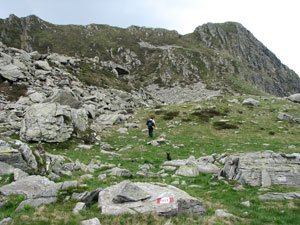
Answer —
(223, 55)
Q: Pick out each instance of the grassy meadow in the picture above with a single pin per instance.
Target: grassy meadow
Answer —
(219, 127)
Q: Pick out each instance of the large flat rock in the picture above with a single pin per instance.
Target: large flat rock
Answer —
(163, 200)
(280, 196)
(32, 187)
(263, 168)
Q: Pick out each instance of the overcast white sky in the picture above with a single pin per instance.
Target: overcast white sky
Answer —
(274, 22)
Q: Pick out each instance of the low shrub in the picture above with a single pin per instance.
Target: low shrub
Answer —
(159, 112)
(205, 115)
(170, 115)
(220, 125)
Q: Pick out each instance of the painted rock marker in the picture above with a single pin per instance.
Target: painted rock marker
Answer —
(165, 200)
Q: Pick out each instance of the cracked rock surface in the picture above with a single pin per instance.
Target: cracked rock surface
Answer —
(263, 168)
(48, 122)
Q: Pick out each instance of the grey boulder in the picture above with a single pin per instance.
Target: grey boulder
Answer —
(19, 174)
(32, 187)
(178, 162)
(163, 200)
(6, 169)
(94, 221)
(120, 172)
(78, 207)
(36, 202)
(190, 169)
(43, 65)
(130, 193)
(107, 120)
(206, 167)
(87, 197)
(21, 158)
(37, 97)
(27, 155)
(294, 98)
(6, 221)
(285, 116)
(80, 119)
(65, 97)
(11, 72)
(49, 122)
(37, 189)
(222, 214)
(251, 101)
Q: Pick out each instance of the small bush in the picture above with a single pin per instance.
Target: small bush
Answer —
(223, 125)
(170, 115)
(60, 145)
(202, 116)
(205, 115)
(88, 139)
(227, 110)
(159, 112)
(186, 120)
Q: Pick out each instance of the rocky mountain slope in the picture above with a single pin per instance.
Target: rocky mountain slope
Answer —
(225, 57)
(40, 88)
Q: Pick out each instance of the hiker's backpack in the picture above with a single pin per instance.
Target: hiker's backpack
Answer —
(150, 123)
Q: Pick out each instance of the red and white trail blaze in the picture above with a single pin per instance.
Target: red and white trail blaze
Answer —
(165, 200)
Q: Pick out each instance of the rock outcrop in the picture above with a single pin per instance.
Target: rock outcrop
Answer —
(263, 168)
(281, 196)
(264, 69)
(191, 167)
(21, 158)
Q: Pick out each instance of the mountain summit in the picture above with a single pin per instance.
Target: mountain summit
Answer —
(223, 56)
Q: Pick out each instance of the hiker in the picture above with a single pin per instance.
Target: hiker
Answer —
(151, 125)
